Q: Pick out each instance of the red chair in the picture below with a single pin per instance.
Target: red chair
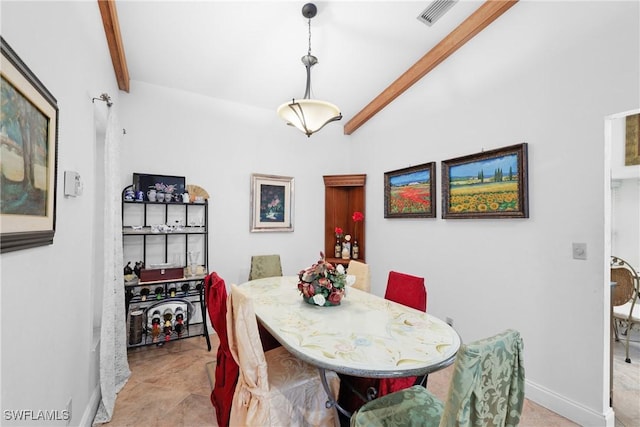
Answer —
(404, 289)
(407, 290)
(215, 292)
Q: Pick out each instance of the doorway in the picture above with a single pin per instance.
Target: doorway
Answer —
(622, 234)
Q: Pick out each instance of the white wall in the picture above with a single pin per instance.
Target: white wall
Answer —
(486, 275)
(218, 145)
(494, 274)
(625, 195)
(625, 224)
(48, 355)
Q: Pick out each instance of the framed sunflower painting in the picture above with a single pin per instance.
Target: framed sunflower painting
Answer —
(490, 184)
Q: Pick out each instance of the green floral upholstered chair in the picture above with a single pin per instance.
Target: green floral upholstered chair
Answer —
(265, 266)
(487, 389)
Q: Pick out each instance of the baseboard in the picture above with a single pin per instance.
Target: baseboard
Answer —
(91, 409)
(567, 408)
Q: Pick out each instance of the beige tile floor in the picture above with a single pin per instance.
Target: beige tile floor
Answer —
(169, 386)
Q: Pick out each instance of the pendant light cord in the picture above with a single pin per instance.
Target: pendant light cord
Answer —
(309, 23)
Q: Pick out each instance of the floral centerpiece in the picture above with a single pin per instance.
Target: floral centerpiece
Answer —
(322, 284)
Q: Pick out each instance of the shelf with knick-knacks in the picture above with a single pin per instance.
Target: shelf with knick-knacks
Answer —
(164, 291)
(344, 228)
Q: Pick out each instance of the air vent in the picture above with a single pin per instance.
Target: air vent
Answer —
(435, 11)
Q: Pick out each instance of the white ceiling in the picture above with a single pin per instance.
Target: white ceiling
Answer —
(249, 52)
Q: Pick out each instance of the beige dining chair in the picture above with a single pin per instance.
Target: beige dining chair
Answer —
(361, 272)
(274, 387)
(624, 299)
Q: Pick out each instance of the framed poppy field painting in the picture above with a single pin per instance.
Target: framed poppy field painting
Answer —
(490, 184)
(271, 203)
(410, 192)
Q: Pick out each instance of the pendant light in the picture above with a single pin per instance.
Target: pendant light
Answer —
(309, 115)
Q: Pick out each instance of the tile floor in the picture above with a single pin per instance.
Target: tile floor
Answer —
(169, 387)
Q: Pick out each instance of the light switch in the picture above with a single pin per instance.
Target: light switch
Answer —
(579, 251)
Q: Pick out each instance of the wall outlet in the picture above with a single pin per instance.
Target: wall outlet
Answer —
(449, 321)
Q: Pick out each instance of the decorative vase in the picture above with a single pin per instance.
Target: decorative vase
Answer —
(355, 253)
(337, 249)
(346, 253)
(327, 303)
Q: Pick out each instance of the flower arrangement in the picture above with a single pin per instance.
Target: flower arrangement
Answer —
(162, 187)
(274, 208)
(357, 217)
(339, 233)
(322, 284)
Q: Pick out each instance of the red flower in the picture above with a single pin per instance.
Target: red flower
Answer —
(335, 296)
(324, 282)
(358, 216)
(338, 231)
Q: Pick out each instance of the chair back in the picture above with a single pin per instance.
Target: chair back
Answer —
(626, 280)
(265, 266)
(226, 372)
(487, 386)
(407, 290)
(361, 271)
(246, 348)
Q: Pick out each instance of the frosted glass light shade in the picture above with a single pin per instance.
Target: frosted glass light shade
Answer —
(309, 115)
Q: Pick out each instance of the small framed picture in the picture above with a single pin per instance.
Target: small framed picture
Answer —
(491, 184)
(409, 192)
(28, 145)
(271, 203)
(167, 184)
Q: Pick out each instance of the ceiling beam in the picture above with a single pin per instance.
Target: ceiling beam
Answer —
(476, 22)
(114, 40)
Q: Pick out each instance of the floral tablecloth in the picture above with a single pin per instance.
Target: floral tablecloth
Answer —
(365, 335)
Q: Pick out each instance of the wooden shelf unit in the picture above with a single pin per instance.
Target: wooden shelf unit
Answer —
(344, 195)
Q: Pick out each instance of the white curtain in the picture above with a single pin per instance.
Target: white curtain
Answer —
(114, 367)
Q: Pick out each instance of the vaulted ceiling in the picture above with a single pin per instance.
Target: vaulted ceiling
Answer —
(369, 52)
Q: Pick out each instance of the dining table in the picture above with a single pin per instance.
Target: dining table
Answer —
(365, 336)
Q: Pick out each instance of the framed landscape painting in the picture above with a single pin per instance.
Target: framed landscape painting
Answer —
(271, 203)
(632, 140)
(491, 184)
(409, 192)
(28, 149)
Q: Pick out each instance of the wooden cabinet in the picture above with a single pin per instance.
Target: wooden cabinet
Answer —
(344, 195)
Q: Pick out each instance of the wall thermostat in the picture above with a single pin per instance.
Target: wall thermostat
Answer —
(72, 184)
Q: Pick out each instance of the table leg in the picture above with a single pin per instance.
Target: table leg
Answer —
(331, 402)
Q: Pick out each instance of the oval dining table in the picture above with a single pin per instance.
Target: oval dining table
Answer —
(365, 336)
